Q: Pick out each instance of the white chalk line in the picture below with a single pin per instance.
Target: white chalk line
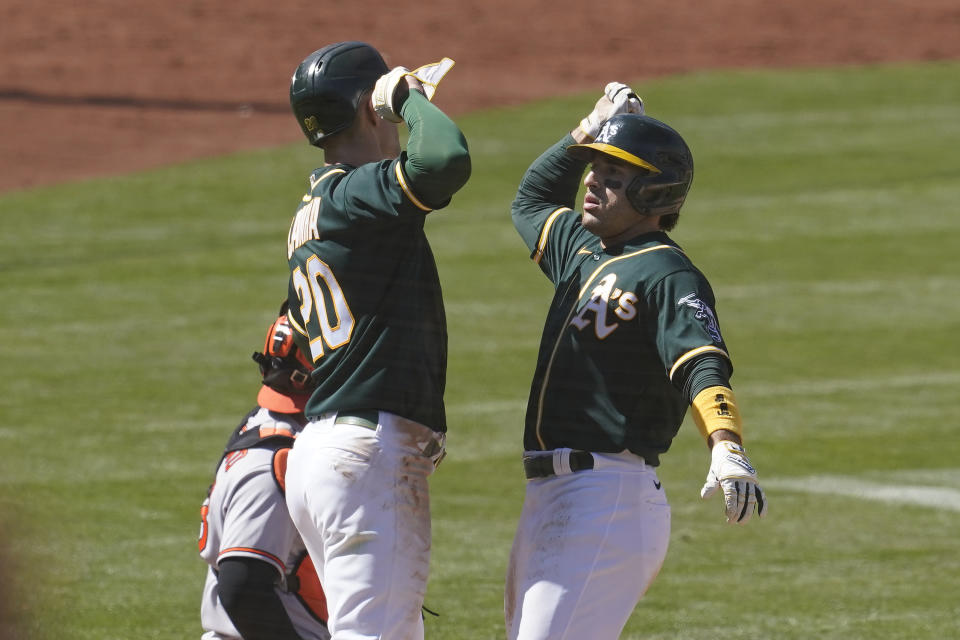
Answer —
(935, 497)
(843, 385)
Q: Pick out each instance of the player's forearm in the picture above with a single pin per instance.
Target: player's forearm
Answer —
(246, 590)
(580, 136)
(705, 383)
(438, 160)
(553, 178)
(707, 370)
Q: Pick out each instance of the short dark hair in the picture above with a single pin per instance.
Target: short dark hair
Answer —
(669, 221)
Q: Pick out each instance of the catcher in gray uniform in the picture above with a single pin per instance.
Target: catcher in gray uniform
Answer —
(631, 341)
(261, 584)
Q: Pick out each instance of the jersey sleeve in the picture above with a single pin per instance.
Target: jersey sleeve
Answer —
(436, 163)
(543, 211)
(256, 523)
(374, 192)
(686, 324)
(708, 369)
(344, 199)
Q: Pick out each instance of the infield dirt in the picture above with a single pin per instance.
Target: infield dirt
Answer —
(113, 86)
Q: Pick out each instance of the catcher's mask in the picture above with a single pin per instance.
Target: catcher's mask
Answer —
(326, 88)
(285, 370)
(662, 159)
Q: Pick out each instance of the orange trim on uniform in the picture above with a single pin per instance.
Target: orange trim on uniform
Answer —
(542, 241)
(266, 432)
(257, 552)
(204, 527)
(231, 458)
(280, 467)
(281, 403)
(403, 185)
(311, 591)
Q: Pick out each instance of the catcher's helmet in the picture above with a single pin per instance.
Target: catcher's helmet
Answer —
(664, 160)
(326, 88)
(285, 370)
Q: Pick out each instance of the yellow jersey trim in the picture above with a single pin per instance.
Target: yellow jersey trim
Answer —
(307, 197)
(296, 325)
(406, 189)
(693, 354)
(617, 259)
(324, 176)
(542, 242)
(546, 378)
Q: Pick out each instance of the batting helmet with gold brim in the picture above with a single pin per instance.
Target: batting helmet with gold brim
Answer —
(658, 154)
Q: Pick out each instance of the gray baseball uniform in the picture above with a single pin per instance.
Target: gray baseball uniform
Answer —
(245, 515)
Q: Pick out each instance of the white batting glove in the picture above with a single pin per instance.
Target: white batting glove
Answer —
(384, 94)
(431, 74)
(731, 471)
(617, 98)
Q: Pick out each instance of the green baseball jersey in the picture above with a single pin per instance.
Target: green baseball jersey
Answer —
(623, 321)
(365, 295)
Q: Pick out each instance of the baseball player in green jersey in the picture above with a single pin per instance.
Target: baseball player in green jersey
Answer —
(631, 341)
(366, 303)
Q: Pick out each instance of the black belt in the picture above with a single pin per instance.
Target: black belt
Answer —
(368, 418)
(542, 466)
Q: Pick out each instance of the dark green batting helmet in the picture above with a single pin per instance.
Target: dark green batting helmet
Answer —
(663, 160)
(326, 88)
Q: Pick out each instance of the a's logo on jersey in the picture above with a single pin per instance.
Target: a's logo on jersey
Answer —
(703, 313)
(598, 305)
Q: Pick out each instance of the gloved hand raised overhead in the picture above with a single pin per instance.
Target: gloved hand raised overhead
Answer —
(617, 98)
(387, 100)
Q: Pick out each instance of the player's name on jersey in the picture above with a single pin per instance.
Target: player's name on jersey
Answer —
(304, 225)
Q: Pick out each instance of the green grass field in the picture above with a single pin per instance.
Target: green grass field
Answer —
(826, 212)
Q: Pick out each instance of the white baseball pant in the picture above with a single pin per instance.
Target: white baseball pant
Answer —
(360, 499)
(587, 547)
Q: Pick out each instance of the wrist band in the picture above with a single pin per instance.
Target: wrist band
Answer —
(715, 408)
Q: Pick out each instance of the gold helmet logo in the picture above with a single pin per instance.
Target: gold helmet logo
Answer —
(311, 124)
